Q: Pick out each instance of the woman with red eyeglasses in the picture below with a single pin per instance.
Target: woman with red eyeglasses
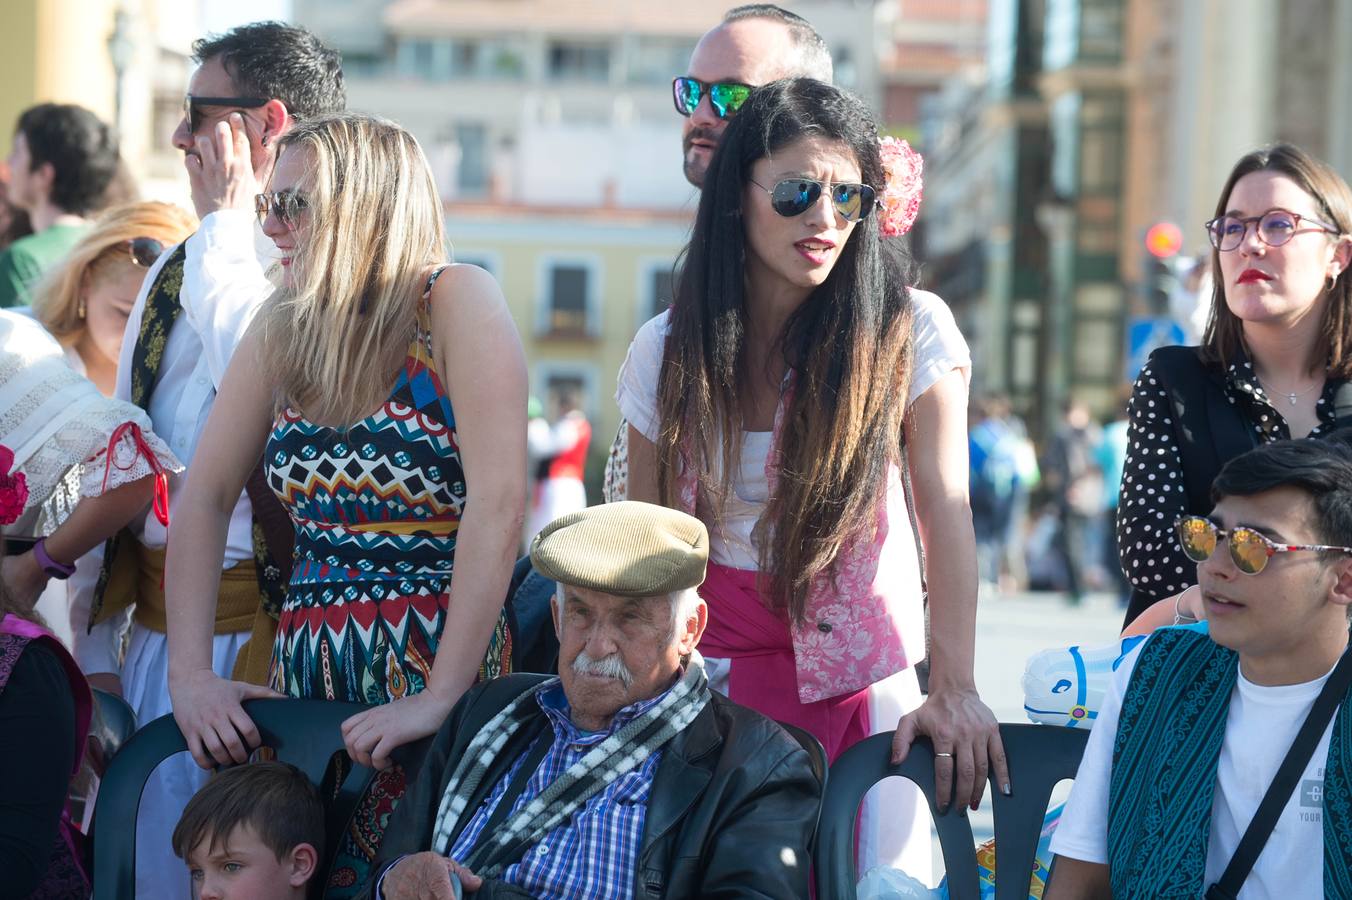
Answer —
(773, 402)
(1274, 364)
(84, 301)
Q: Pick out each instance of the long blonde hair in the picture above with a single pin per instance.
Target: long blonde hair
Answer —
(56, 300)
(333, 337)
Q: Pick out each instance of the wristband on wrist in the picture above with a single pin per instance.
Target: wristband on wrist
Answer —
(50, 566)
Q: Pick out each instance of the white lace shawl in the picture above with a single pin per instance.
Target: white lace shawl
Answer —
(58, 425)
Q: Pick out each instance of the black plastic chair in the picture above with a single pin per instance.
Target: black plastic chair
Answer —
(304, 733)
(114, 723)
(1039, 756)
(535, 647)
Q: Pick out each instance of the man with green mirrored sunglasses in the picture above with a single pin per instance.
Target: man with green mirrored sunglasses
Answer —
(753, 45)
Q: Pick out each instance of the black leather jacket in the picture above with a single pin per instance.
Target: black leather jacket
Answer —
(732, 793)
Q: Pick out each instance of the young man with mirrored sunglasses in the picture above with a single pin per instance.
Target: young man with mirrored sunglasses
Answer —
(1199, 719)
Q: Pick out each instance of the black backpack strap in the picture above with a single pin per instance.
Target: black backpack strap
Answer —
(1284, 782)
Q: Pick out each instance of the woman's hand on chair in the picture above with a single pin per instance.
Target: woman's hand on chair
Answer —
(371, 736)
(209, 711)
(966, 738)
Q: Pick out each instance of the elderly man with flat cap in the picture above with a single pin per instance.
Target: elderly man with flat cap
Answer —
(625, 776)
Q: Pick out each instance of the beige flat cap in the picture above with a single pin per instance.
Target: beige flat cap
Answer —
(628, 549)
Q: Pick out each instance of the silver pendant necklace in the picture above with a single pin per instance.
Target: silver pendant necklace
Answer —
(1291, 396)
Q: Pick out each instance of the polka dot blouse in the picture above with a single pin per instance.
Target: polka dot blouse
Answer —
(1152, 493)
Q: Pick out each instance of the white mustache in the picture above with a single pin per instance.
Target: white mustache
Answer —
(606, 667)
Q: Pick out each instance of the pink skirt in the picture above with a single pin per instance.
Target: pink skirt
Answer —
(763, 674)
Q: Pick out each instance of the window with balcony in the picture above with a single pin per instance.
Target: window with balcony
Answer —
(568, 304)
(472, 172)
(654, 287)
(579, 61)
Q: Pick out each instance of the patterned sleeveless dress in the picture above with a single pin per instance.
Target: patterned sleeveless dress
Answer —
(376, 508)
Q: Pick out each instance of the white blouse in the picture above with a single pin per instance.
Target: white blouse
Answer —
(939, 349)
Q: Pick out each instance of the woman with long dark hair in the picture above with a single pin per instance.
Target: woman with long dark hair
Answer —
(774, 401)
(1276, 352)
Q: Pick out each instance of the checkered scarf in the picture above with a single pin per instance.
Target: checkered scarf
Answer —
(622, 752)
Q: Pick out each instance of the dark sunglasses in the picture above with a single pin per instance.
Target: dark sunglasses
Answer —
(144, 251)
(1249, 549)
(194, 117)
(287, 206)
(795, 196)
(726, 97)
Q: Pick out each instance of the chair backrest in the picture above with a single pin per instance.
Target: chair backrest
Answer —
(304, 733)
(535, 647)
(1039, 756)
(114, 724)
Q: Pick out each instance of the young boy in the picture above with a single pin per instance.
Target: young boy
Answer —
(1198, 719)
(254, 832)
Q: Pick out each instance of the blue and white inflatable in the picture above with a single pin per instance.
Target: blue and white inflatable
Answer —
(1065, 686)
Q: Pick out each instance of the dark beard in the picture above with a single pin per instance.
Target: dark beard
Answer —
(693, 172)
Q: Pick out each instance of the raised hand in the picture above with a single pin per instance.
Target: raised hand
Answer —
(221, 172)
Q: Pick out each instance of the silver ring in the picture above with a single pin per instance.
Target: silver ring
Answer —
(946, 755)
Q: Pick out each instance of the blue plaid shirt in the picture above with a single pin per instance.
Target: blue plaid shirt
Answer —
(593, 855)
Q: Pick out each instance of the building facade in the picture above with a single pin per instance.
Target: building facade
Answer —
(126, 60)
(1091, 121)
(552, 134)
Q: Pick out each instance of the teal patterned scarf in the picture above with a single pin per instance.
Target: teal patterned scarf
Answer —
(1165, 758)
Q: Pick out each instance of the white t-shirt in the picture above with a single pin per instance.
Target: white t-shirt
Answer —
(1259, 729)
(939, 349)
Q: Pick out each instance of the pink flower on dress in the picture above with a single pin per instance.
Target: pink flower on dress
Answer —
(13, 488)
(899, 201)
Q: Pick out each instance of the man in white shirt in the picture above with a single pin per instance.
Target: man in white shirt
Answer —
(251, 85)
(1199, 719)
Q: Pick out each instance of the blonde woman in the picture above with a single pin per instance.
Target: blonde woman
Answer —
(84, 301)
(386, 392)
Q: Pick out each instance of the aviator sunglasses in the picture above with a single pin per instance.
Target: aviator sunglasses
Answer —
(726, 97)
(287, 205)
(144, 251)
(795, 196)
(1249, 550)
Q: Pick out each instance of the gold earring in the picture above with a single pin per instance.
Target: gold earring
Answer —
(80, 310)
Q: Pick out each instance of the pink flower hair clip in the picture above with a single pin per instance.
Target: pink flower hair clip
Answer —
(903, 188)
(13, 488)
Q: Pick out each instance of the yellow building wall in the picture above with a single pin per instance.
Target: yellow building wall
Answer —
(518, 263)
(55, 51)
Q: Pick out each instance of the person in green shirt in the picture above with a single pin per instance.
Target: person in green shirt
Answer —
(60, 166)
